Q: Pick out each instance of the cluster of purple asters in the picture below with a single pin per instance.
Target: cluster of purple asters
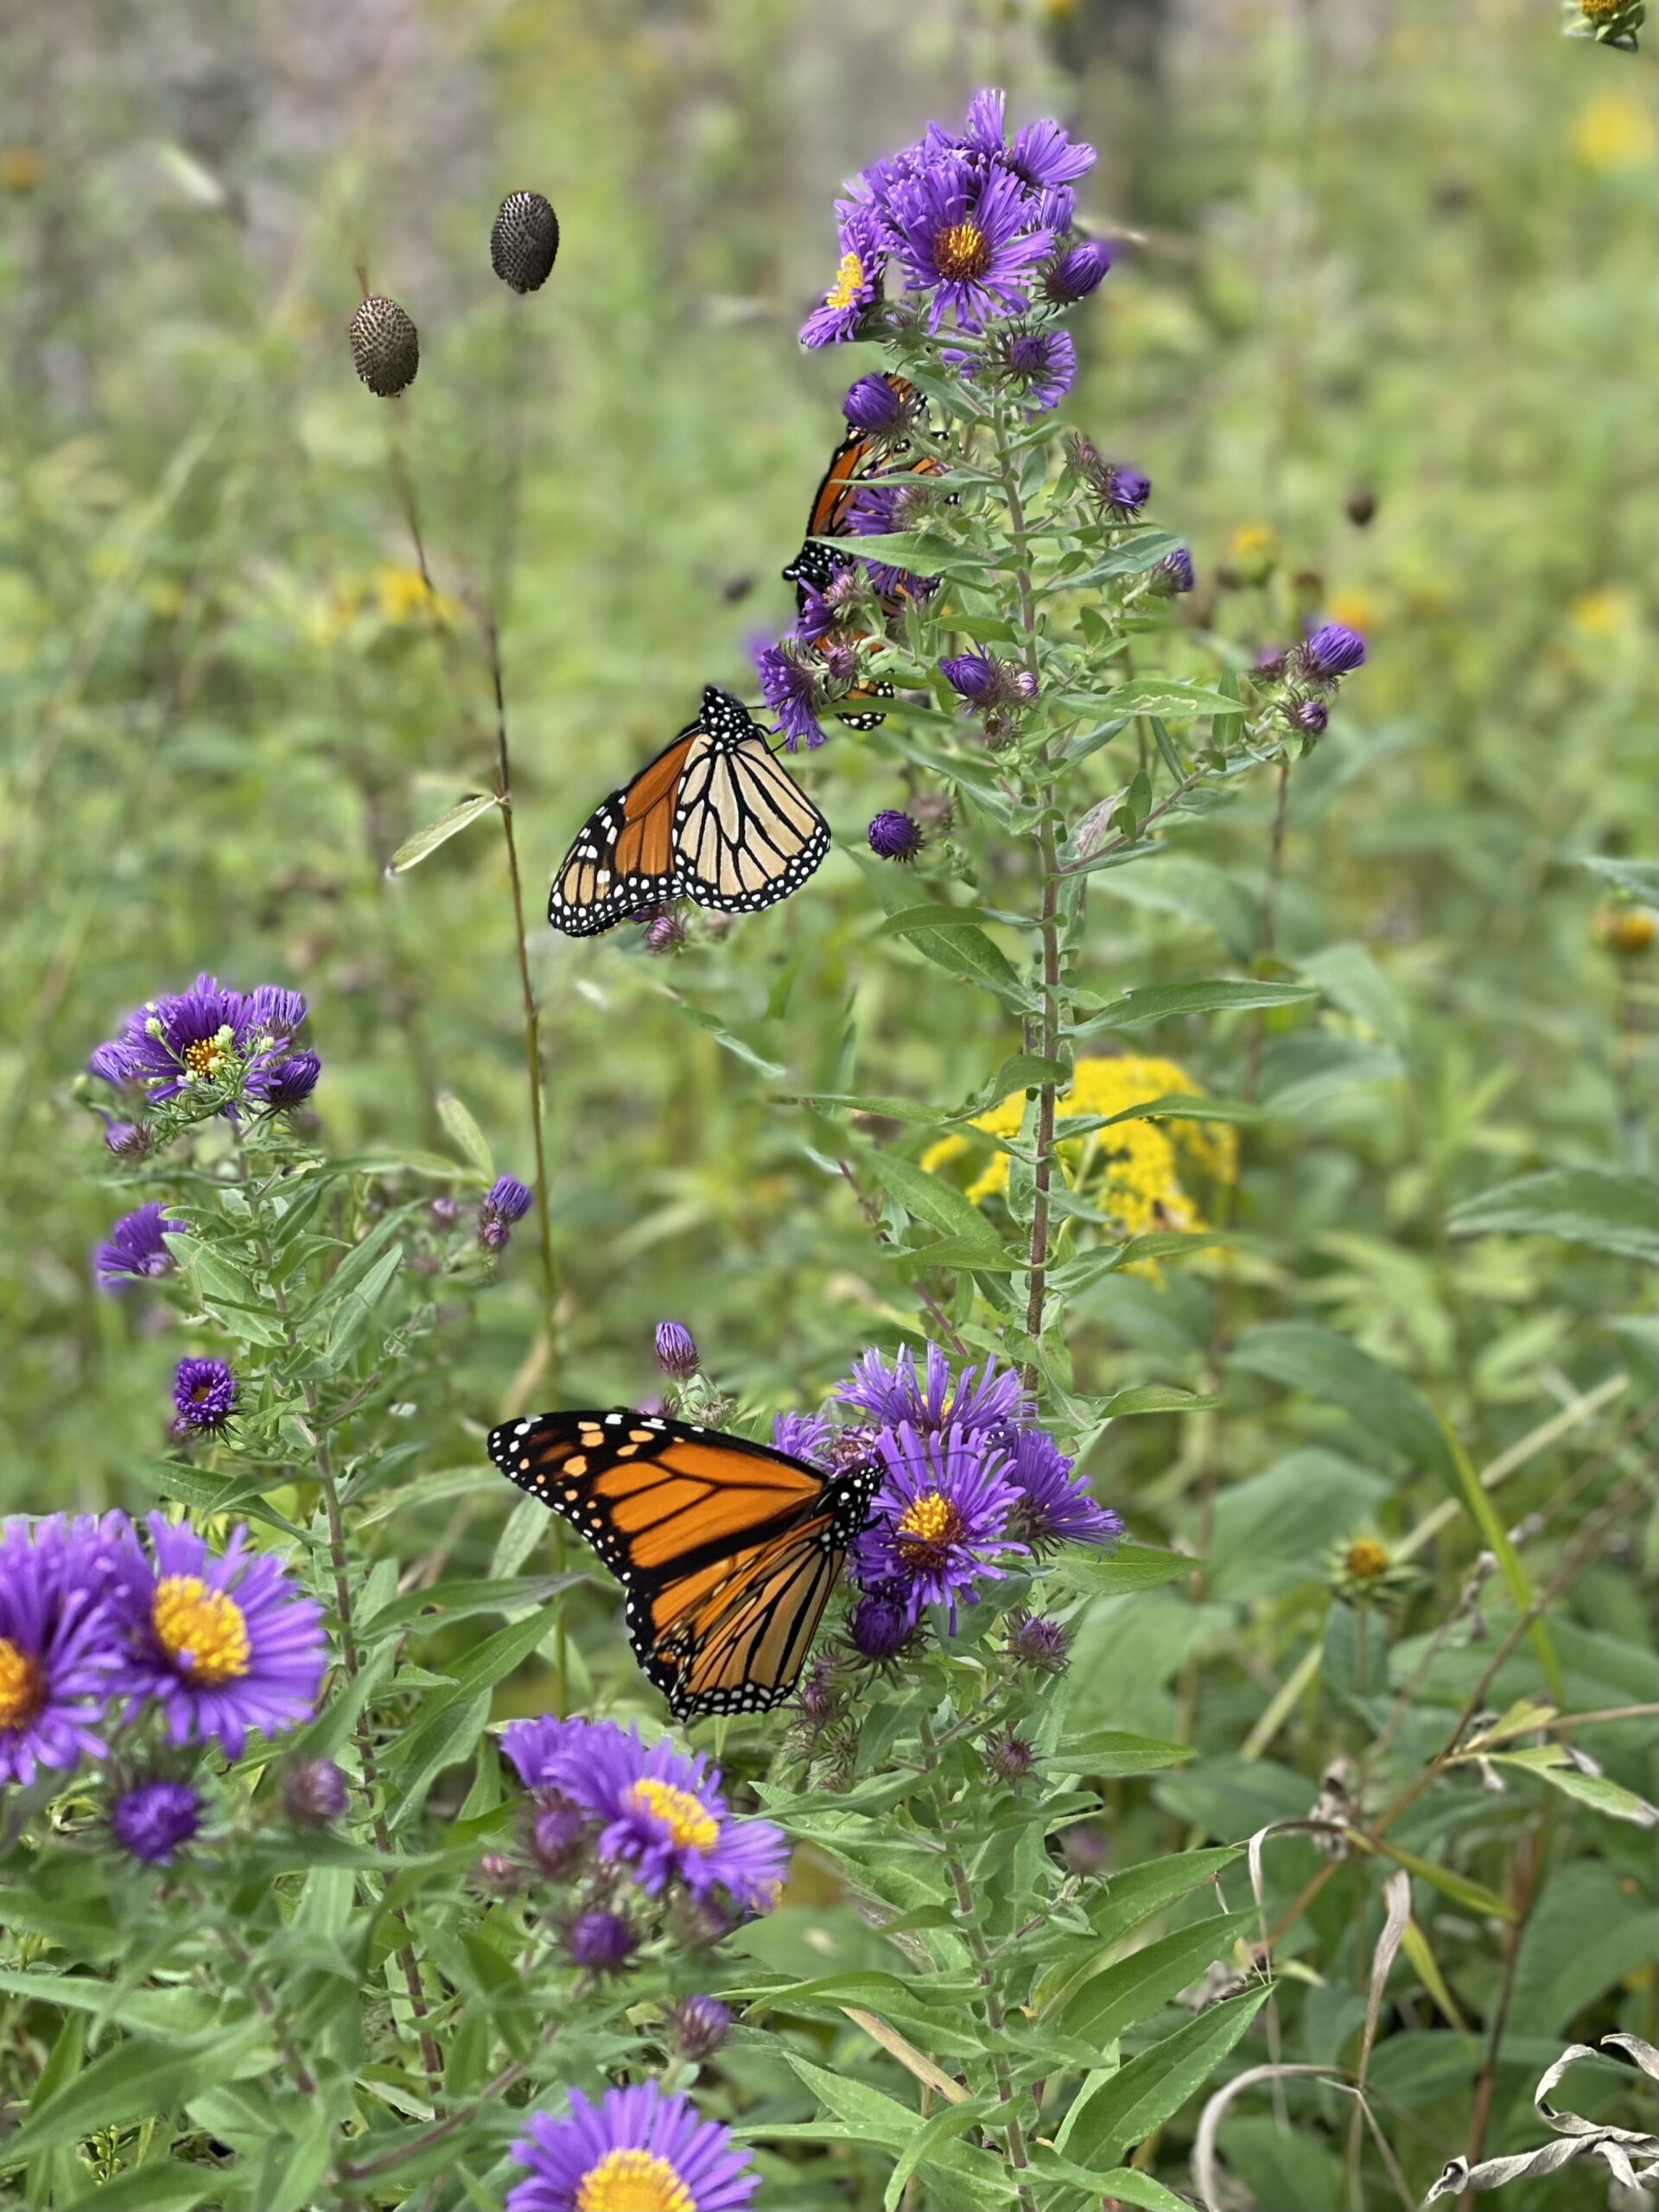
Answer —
(1311, 673)
(109, 1638)
(970, 1484)
(635, 2148)
(214, 1049)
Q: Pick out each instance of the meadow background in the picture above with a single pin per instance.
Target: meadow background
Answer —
(1374, 256)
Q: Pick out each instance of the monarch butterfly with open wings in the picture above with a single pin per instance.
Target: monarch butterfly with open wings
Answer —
(714, 817)
(727, 1550)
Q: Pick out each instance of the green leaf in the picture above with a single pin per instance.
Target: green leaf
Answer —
(723, 1036)
(1108, 1752)
(455, 1718)
(939, 1204)
(1473, 1896)
(1607, 1208)
(1126, 1900)
(1171, 1001)
(1552, 1762)
(1350, 979)
(1156, 1398)
(1155, 2083)
(965, 950)
(1175, 701)
(1132, 1566)
(464, 1130)
(1638, 880)
(1132, 1990)
(1328, 1367)
(159, 2185)
(130, 2082)
(414, 849)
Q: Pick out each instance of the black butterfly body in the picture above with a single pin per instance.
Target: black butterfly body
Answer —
(727, 1551)
(716, 818)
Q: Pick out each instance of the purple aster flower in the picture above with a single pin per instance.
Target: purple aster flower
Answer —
(1052, 1506)
(894, 835)
(1126, 489)
(1310, 717)
(635, 2147)
(985, 681)
(1077, 272)
(802, 1436)
(535, 1747)
(895, 1395)
(313, 1793)
(1041, 365)
(558, 1837)
(664, 1817)
(204, 1394)
(1332, 652)
(1174, 574)
(506, 1200)
(601, 1942)
(1038, 1642)
(964, 238)
(820, 1696)
(286, 1084)
(857, 284)
(873, 405)
(677, 1350)
(499, 1874)
(137, 1246)
(57, 1639)
(697, 2026)
(879, 510)
(791, 683)
(151, 1819)
(879, 1627)
(1042, 155)
(942, 1517)
(209, 1037)
(126, 1139)
(223, 1644)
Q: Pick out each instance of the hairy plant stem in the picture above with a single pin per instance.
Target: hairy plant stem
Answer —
(327, 1484)
(972, 1935)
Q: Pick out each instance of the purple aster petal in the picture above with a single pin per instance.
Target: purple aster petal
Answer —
(1039, 364)
(793, 691)
(286, 1083)
(1054, 1505)
(940, 1524)
(1332, 650)
(895, 1395)
(855, 285)
(204, 1393)
(802, 1436)
(1044, 157)
(59, 1644)
(137, 1248)
(570, 2161)
(151, 1819)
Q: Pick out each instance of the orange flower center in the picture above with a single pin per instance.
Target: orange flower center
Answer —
(22, 1687)
(963, 251)
(633, 2181)
(205, 1058)
(202, 1630)
(690, 1824)
(926, 1528)
(1366, 1559)
(849, 283)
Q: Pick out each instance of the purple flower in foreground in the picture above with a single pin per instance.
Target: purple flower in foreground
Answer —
(879, 1627)
(663, 1815)
(558, 1837)
(856, 286)
(1310, 717)
(1333, 650)
(894, 835)
(1041, 365)
(601, 1941)
(1174, 574)
(57, 1640)
(151, 1819)
(202, 1038)
(1053, 1506)
(284, 1085)
(535, 1747)
(873, 405)
(895, 1393)
(137, 1248)
(635, 2148)
(941, 1519)
(1042, 155)
(964, 239)
(677, 1350)
(223, 1644)
(506, 1200)
(1077, 272)
(793, 686)
(204, 1393)
(802, 1436)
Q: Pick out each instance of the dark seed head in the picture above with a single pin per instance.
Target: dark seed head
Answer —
(525, 241)
(385, 350)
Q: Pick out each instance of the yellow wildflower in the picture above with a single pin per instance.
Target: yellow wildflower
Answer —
(20, 168)
(402, 597)
(1601, 613)
(1613, 131)
(1250, 540)
(1628, 931)
(1132, 1170)
(1356, 610)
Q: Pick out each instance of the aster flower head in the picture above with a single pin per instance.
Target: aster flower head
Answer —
(802, 1436)
(536, 1748)
(895, 1395)
(137, 1248)
(940, 1524)
(856, 284)
(126, 1139)
(1078, 273)
(1310, 717)
(1042, 155)
(661, 1815)
(313, 1793)
(894, 836)
(153, 1818)
(1173, 574)
(1038, 1642)
(223, 1644)
(204, 1392)
(1009, 1755)
(966, 238)
(791, 683)
(558, 1836)
(1331, 652)
(880, 1627)
(697, 2026)
(875, 406)
(507, 1200)
(1038, 365)
(600, 1941)
(284, 1085)
(1053, 1506)
(210, 1042)
(57, 1639)
(976, 676)
(677, 1350)
(636, 2147)
(665, 933)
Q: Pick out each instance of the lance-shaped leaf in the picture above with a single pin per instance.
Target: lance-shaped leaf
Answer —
(424, 842)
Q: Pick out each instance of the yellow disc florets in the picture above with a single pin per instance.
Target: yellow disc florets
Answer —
(690, 1825)
(849, 283)
(926, 1528)
(962, 252)
(202, 1630)
(22, 1688)
(633, 2181)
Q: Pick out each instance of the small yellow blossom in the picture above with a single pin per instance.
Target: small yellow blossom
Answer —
(1356, 610)
(1132, 1170)
(1627, 931)
(20, 168)
(1250, 540)
(1602, 613)
(1613, 131)
(403, 596)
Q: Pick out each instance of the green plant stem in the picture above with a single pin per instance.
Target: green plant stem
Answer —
(1014, 2134)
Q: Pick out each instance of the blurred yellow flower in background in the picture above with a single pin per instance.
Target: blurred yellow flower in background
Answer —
(402, 597)
(1132, 1170)
(1602, 612)
(1613, 131)
(1356, 609)
(20, 168)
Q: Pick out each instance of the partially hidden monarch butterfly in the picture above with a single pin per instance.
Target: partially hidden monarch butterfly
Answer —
(727, 1551)
(863, 458)
(714, 818)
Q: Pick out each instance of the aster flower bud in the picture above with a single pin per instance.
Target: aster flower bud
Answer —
(385, 347)
(894, 835)
(677, 1350)
(665, 933)
(1269, 663)
(600, 1941)
(697, 2026)
(286, 1084)
(558, 1837)
(507, 1200)
(820, 1694)
(313, 1793)
(1083, 1847)
(525, 241)
(1331, 652)
(151, 1821)
(1009, 1756)
(445, 1212)
(1310, 717)
(126, 1139)
(1174, 574)
(204, 1395)
(873, 405)
(879, 1629)
(500, 1875)
(1038, 1642)
(1078, 273)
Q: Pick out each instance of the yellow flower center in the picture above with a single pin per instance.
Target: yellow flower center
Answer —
(22, 1688)
(1599, 10)
(689, 1823)
(928, 1525)
(849, 283)
(1366, 1559)
(205, 1058)
(963, 251)
(201, 1629)
(633, 2181)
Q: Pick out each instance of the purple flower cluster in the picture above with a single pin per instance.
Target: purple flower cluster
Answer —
(220, 1048)
(1311, 674)
(980, 226)
(654, 1812)
(101, 1632)
(638, 2146)
(507, 1200)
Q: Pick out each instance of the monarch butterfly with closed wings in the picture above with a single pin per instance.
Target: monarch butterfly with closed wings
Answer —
(727, 1551)
(850, 471)
(714, 818)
